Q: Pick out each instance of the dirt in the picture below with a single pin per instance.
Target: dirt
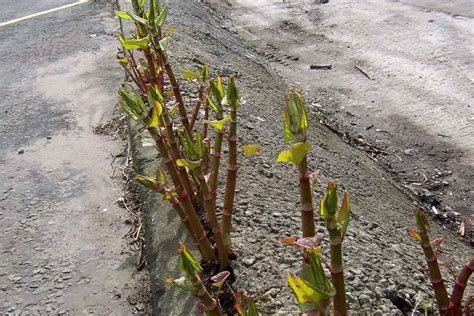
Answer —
(400, 84)
(63, 245)
(383, 265)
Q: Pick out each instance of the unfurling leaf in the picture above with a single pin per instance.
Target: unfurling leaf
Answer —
(189, 75)
(188, 263)
(415, 234)
(290, 240)
(133, 43)
(191, 165)
(155, 94)
(165, 42)
(251, 149)
(421, 220)
(148, 182)
(328, 205)
(309, 242)
(215, 106)
(219, 279)
(217, 89)
(244, 305)
(342, 216)
(218, 125)
(295, 154)
(132, 105)
(123, 61)
(156, 113)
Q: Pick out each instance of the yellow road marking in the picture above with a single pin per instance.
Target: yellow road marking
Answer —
(42, 13)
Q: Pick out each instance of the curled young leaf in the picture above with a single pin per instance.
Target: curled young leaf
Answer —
(233, 93)
(244, 304)
(251, 149)
(328, 205)
(295, 154)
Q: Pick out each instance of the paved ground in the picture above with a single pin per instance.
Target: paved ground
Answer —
(62, 245)
(418, 107)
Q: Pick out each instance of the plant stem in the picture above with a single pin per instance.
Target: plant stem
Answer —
(232, 167)
(212, 219)
(215, 161)
(197, 230)
(197, 107)
(176, 90)
(436, 278)
(307, 210)
(459, 287)
(176, 154)
(337, 271)
(211, 308)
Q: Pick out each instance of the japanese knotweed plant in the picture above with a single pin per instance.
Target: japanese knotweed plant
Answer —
(190, 153)
(336, 218)
(447, 305)
(191, 282)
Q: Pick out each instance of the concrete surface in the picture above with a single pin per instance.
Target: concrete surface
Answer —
(62, 245)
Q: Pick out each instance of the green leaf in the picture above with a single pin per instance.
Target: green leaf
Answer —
(251, 149)
(191, 165)
(132, 106)
(233, 93)
(188, 263)
(134, 43)
(165, 42)
(342, 217)
(219, 125)
(294, 118)
(160, 20)
(421, 220)
(123, 15)
(156, 113)
(295, 154)
(189, 75)
(198, 146)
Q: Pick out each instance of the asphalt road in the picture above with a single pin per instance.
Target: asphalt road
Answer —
(61, 244)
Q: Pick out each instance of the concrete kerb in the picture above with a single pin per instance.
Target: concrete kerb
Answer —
(163, 229)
